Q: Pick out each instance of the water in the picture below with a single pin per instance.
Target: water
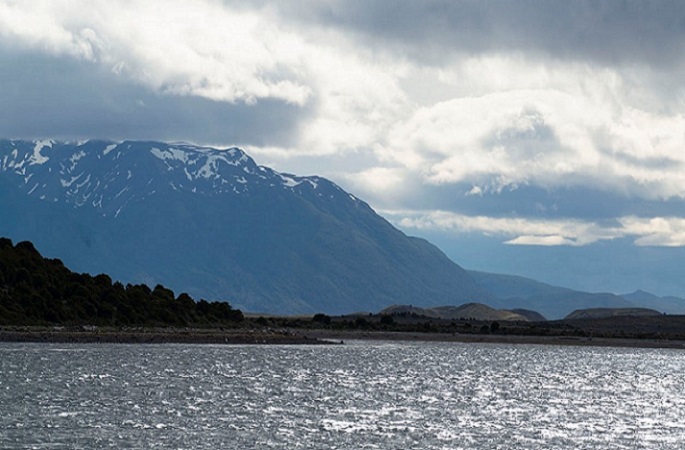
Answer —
(359, 396)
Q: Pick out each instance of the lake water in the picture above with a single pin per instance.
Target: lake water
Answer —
(362, 395)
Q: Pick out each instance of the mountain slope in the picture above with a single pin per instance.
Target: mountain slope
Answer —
(214, 224)
(510, 286)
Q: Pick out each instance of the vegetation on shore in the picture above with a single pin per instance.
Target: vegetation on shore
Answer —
(660, 327)
(41, 291)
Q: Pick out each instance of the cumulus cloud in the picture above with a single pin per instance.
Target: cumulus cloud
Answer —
(196, 47)
(224, 53)
(569, 126)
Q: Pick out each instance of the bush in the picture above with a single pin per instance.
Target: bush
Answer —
(322, 319)
(387, 320)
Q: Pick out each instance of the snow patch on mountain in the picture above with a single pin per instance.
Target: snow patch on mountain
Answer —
(37, 157)
(289, 181)
(109, 148)
(66, 183)
(170, 153)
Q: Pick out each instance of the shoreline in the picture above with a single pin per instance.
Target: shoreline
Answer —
(87, 335)
(497, 339)
(290, 336)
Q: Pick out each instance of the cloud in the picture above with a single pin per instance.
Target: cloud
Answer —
(224, 53)
(38, 28)
(558, 114)
(551, 137)
(514, 230)
(199, 48)
(607, 33)
(76, 102)
(655, 231)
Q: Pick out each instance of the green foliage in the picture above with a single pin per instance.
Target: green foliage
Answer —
(39, 291)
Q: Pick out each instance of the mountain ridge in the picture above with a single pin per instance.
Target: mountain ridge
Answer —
(213, 223)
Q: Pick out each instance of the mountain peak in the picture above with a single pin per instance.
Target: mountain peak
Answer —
(109, 176)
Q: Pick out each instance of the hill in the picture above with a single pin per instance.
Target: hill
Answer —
(532, 316)
(603, 313)
(213, 223)
(468, 311)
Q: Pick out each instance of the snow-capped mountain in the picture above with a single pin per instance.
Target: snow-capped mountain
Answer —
(109, 176)
(215, 224)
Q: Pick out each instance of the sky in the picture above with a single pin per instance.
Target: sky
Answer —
(536, 138)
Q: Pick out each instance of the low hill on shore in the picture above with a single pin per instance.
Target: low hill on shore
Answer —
(602, 313)
(472, 311)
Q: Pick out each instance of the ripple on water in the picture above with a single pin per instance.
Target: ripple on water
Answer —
(368, 395)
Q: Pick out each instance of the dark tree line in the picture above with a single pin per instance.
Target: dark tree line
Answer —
(41, 291)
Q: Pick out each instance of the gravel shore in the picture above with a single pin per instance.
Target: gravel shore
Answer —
(495, 339)
(297, 337)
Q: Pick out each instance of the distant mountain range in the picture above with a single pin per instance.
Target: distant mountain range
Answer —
(555, 302)
(214, 224)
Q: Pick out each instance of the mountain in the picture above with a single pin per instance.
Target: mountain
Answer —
(214, 224)
(555, 302)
